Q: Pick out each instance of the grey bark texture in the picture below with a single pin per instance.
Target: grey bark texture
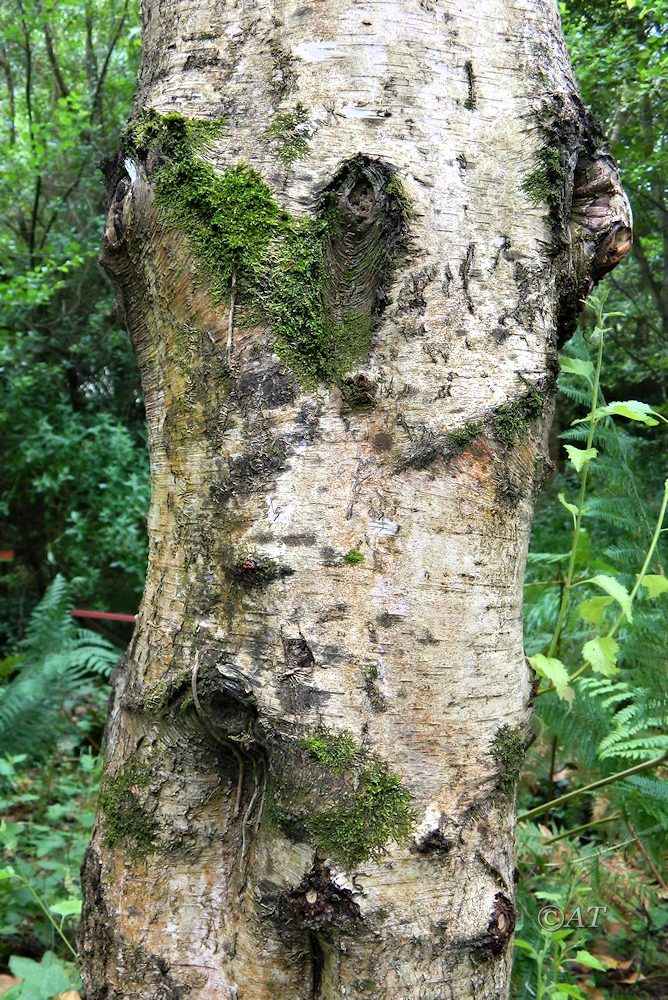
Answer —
(314, 736)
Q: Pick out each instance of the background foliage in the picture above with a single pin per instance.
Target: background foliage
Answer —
(74, 491)
(73, 480)
(606, 848)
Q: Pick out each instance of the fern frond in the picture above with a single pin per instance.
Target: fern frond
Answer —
(50, 625)
(612, 510)
(59, 664)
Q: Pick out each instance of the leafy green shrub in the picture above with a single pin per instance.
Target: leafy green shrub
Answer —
(51, 701)
(49, 819)
(74, 473)
(596, 617)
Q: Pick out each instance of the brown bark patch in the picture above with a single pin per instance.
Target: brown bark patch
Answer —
(499, 930)
(318, 902)
(434, 842)
(96, 936)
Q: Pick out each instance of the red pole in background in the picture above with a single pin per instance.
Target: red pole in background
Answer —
(109, 616)
(7, 555)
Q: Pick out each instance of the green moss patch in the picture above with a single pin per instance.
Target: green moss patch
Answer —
(125, 818)
(373, 806)
(461, 437)
(511, 421)
(357, 829)
(230, 218)
(321, 297)
(546, 181)
(396, 191)
(508, 424)
(318, 342)
(177, 135)
(508, 748)
(564, 127)
(287, 131)
(353, 558)
(337, 751)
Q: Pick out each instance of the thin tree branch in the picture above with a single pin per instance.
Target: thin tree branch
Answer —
(62, 201)
(582, 828)
(11, 96)
(654, 287)
(619, 776)
(97, 96)
(53, 61)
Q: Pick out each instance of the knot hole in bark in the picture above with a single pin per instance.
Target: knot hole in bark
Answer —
(228, 711)
(322, 908)
(367, 213)
(226, 706)
(362, 200)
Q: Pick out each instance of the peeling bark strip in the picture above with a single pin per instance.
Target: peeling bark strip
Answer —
(347, 238)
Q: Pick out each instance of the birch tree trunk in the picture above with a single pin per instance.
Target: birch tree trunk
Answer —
(348, 237)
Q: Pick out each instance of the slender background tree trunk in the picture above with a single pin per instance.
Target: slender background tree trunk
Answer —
(347, 334)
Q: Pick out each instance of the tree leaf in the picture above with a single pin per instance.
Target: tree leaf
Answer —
(632, 409)
(555, 671)
(592, 610)
(525, 946)
(616, 590)
(547, 557)
(41, 980)
(584, 958)
(570, 507)
(574, 366)
(568, 990)
(601, 653)
(655, 584)
(67, 908)
(579, 456)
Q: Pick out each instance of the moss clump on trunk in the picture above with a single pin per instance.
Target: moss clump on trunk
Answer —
(337, 751)
(353, 558)
(461, 437)
(508, 748)
(288, 132)
(511, 421)
(124, 816)
(318, 344)
(295, 272)
(546, 182)
(375, 810)
(229, 218)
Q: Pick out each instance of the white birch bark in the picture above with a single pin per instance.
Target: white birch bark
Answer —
(197, 884)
